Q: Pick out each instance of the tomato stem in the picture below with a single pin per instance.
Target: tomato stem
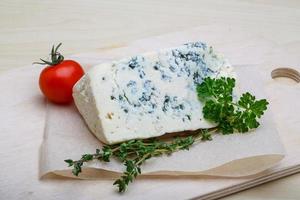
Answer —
(56, 57)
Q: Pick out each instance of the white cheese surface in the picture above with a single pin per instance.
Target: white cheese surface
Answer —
(148, 95)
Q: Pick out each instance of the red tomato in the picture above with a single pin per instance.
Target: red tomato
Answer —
(58, 78)
(56, 82)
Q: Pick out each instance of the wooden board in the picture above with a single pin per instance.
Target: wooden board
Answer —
(284, 113)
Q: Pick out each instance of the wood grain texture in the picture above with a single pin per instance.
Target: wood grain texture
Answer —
(29, 28)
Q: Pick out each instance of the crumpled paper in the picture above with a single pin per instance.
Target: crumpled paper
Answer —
(66, 135)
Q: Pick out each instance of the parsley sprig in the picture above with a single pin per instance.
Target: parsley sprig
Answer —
(240, 116)
(217, 95)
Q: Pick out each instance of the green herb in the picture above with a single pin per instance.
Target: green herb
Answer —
(217, 94)
(134, 153)
(240, 116)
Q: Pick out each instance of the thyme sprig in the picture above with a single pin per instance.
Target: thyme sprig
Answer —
(134, 153)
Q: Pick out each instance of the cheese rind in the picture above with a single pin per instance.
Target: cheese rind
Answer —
(148, 95)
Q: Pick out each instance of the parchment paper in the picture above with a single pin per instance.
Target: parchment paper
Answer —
(66, 135)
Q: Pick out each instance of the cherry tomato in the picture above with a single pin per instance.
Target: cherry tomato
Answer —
(58, 78)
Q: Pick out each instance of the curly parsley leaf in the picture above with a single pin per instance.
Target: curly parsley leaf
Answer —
(240, 116)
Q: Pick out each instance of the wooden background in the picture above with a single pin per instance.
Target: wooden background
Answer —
(28, 29)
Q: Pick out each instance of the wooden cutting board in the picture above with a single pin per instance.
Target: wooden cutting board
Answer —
(281, 91)
(23, 124)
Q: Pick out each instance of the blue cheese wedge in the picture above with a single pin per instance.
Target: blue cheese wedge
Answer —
(148, 95)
